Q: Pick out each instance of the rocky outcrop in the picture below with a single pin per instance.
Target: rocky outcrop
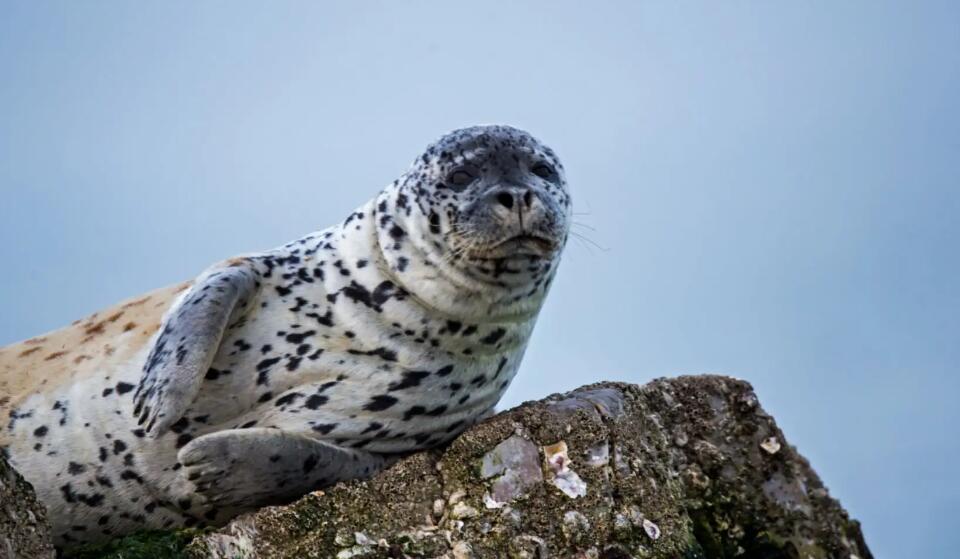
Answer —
(24, 530)
(689, 467)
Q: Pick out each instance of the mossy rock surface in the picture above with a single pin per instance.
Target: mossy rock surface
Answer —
(142, 545)
(690, 467)
(687, 467)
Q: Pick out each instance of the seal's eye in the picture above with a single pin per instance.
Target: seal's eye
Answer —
(461, 178)
(543, 171)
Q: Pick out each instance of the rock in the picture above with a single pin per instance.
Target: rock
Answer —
(24, 530)
(514, 466)
(688, 467)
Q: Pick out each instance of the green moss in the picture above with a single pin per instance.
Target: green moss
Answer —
(142, 545)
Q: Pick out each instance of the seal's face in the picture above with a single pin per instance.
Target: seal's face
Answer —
(496, 201)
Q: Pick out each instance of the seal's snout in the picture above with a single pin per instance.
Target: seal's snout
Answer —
(508, 197)
(522, 222)
(515, 204)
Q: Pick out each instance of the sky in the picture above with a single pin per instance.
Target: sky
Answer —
(768, 191)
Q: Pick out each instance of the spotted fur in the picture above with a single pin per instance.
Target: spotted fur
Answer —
(278, 372)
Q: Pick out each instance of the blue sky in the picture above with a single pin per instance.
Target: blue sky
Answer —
(775, 189)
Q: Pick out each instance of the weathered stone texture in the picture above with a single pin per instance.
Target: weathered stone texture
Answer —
(24, 530)
(688, 467)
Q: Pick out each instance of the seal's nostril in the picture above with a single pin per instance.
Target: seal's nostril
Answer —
(528, 198)
(505, 199)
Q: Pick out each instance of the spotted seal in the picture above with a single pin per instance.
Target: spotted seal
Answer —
(278, 372)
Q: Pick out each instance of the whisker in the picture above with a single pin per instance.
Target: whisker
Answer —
(584, 245)
(586, 239)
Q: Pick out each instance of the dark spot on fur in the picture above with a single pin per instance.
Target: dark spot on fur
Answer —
(180, 425)
(298, 338)
(493, 337)
(315, 401)
(381, 352)
(123, 387)
(380, 402)
(413, 412)
(92, 501)
(129, 475)
(410, 379)
(288, 399)
(324, 428)
(68, 494)
(374, 426)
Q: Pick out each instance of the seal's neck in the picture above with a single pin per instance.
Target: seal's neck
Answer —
(425, 268)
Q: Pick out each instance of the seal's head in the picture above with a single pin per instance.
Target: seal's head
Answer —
(496, 205)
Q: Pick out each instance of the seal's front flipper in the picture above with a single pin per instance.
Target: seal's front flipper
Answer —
(246, 468)
(188, 342)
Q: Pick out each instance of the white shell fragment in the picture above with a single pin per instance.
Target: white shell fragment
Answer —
(492, 503)
(771, 445)
(363, 539)
(652, 530)
(463, 510)
(575, 520)
(598, 455)
(564, 479)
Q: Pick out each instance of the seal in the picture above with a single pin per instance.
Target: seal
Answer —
(276, 373)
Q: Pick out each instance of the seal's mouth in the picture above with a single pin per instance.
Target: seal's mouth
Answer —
(524, 244)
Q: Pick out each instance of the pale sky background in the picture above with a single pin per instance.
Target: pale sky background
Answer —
(776, 188)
